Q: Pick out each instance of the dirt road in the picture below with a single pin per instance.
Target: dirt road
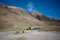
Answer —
(35, 35)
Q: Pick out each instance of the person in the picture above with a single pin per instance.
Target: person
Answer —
(29, 28)
(23, 30)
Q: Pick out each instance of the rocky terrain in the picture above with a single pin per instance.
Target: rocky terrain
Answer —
(10, 15)
(47, 20)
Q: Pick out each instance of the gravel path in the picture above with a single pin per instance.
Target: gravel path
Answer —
(34, 35)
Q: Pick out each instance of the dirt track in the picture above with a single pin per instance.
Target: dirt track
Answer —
(35, 35)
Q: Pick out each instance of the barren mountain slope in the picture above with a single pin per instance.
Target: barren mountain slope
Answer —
(47, 20)
(15, 16)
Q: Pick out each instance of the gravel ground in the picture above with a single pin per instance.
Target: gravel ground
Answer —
(34, 35)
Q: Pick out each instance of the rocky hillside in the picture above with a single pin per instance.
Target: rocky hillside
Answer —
(47, 20)
(10, 15)
(16, 16)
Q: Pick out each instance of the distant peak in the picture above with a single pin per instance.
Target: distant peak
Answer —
(37, 13)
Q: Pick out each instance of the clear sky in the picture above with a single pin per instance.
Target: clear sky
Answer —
(50, 8)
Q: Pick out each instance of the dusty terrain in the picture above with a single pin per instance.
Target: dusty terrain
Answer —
(34, 35)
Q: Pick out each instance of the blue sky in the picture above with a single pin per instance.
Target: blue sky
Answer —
(50, 8)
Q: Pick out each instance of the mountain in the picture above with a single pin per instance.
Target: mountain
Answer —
(47, 20)
(10, 15)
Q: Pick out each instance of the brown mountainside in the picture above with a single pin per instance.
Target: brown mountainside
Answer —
(10, 15)
(15, 16)
(47, 20)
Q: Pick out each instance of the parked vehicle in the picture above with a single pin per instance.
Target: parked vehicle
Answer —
(37, 28)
